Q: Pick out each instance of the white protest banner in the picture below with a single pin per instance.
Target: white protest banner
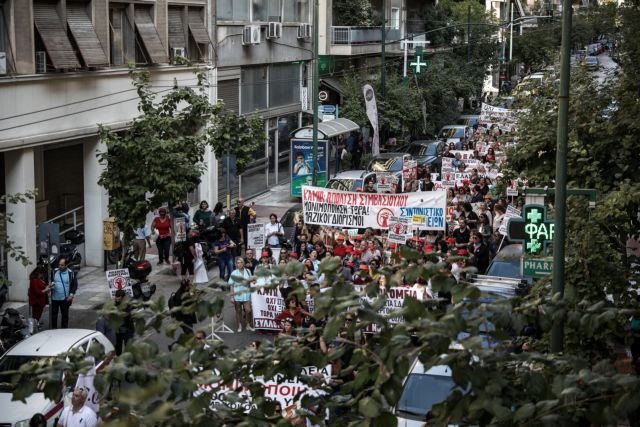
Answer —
(85, 382)
(460, 177)
(119, 279)
(472, 164)
(278, 388)
(255, 235)
(464, 154)
(323, 206)
(399, 230)
(394, 300)
(490, 114)
(180, 226)
(512, 212)
(266, 305)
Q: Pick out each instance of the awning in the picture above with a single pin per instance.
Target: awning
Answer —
(197, 28)
(326, 130)
(149, 35)
(176, 28)
(333, 84)
(53, 35)
(85, 35)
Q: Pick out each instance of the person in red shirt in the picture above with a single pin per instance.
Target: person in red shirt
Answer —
(339, 249)
(292, 310)
(162, 223)
(38, 289)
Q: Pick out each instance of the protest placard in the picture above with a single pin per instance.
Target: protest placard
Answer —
(409, 169)
(119, 279)
(180, 227)
(323, 206)
(512, 189)
(255, 235)
(399, 230)
(266, 305)
(395, 297)
(447, 164)
(512, 212)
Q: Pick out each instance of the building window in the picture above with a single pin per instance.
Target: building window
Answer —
(395, 18)
(53, 47)
(266, 10)
(84, 34)
(154, 51)
(284, 85)
(123, 36)
(296, 11)
(233, 10)
(253, 89)
(188, 36)
(5, 46)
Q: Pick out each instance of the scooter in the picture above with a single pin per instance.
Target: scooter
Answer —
(13, 329)
(139, 271)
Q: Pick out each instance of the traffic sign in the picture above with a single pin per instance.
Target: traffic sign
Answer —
(536, 267)
(323, 95)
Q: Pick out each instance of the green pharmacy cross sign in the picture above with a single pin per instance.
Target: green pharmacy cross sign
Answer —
(534, 230)
(418, 63)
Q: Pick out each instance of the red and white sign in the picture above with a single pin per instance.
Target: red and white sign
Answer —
(399, 230)
(323, 206)
(119, 279)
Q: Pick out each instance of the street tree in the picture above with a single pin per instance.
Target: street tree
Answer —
(160, 157)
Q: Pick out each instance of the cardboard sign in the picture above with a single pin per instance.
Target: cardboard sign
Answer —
(399, 230)
(119, 279)
(447, 164)
(255, 236)
(394, 300)
(409, 169)
(323, 206)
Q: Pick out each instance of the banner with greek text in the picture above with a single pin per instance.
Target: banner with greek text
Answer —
(288, 392)
(336, 208)
(394, 300)
(266, 304)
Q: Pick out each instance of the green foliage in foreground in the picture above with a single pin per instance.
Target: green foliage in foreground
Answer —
(494, 386)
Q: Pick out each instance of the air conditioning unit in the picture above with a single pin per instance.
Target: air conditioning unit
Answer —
(3, 63)
(178, 51)
(41, 61)
(304, 31)
(251, 34)
(275, 30)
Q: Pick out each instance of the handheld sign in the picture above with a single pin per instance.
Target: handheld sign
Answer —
(119, 279)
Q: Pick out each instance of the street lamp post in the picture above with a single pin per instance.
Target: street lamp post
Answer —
(557, 285)
(314, 90)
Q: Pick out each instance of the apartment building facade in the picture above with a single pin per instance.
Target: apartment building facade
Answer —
(64, 69)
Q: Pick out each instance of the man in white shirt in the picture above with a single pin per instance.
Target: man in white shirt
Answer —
(78, 414)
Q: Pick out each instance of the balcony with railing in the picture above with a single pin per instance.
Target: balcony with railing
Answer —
(349, 40)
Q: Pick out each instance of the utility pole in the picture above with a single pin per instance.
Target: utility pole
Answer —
(468, 34)
(383, 28)
(314, 89)
(557, 285)
(511, 34)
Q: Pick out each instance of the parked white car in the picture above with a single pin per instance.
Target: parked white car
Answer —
(420, 391)
(45, 344)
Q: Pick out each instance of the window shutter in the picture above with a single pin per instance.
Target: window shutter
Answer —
(176, 28)
(54, 36)
(229, 91)
(85, 36)
(196, 26)
(149, 35)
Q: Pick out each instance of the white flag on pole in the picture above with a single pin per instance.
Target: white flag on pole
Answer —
(372, 113)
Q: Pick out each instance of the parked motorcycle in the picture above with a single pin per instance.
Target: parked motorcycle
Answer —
(67, 250)
(13, 329)
(207, 238)
(139, 271)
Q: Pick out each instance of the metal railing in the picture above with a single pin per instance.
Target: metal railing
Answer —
(75, 223)
(361, 35)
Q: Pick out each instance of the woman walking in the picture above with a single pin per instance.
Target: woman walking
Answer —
(38, 290)
(162, 223)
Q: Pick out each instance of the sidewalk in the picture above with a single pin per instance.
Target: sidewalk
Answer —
(92, 282)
